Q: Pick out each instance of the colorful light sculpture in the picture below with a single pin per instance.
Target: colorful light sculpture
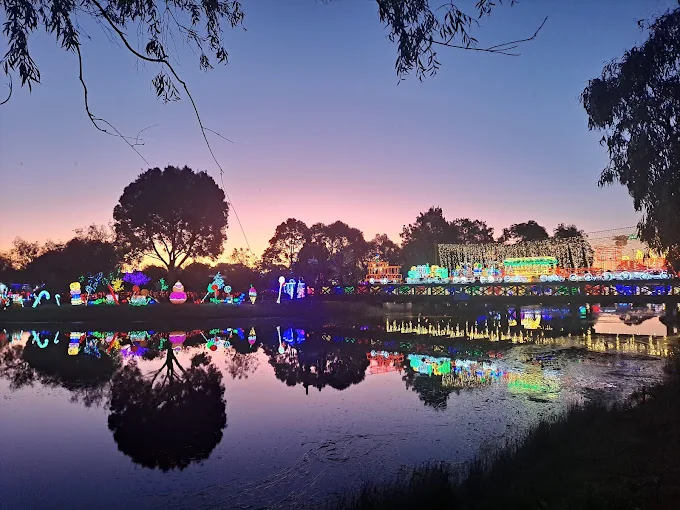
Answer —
(43, 294)
(282, 280)
(177, 338)
(252, 338)
(252, 294)
(75, 294)
(178, 296)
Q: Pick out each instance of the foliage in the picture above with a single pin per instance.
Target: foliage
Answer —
(385, 248)
(242, 256)
(522, 232)
(94, 232)
(335, 366)
(86, 377)
(563, 231)
(172, 215)
(284, 247)
(64, 264)
(416, 28)
(635, 103)
(156, 421)
(346, 249)
(313, 264)
(420, 239)
(23, 252)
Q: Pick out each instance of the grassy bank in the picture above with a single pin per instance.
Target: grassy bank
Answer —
(626, 457)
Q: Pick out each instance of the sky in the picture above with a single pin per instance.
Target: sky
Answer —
(322, 128)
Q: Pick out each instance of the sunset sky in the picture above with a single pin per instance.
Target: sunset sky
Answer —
(323, 131)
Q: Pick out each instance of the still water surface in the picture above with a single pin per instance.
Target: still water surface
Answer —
(279, 417)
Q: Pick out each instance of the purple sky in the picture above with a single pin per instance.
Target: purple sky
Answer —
(323, 131)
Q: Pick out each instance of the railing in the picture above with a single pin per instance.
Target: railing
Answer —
(619, 288)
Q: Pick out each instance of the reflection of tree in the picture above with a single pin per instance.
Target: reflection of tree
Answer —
(241, 365)
(429, 388)
(86, 377)
(172, 418)
(319, 366)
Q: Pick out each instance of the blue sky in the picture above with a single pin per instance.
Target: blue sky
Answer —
(322, 129)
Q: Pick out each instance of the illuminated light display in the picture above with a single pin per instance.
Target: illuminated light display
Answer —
(18, 300)
(40, 343)
(136, 278)
(162, 285)
(178, 296)
(381, 271)
(43, 294)
(429, 365)
(92, 347)
(5, 300)
(214, 287)
(381, 362)
(530, 267)
(289, 288)
(75, 338)
(139, 298)
(282, 349)
(75, 294)
(252, 294)
(282, 280)
(427, 274)
(301, 289)
(294, 336)
(57, 298)
(117, 284)
(177, 338)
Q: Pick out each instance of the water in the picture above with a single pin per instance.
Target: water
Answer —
(291, 419)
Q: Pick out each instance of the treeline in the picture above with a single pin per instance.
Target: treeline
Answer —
(320, 253)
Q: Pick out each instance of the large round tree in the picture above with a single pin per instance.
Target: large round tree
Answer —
(172, 215)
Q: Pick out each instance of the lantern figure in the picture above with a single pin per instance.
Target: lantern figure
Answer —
(178, 296)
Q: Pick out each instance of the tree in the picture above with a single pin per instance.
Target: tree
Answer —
(155, 421)
(522, 232)
(385, 248)
(242, 256)
(172, 215)
(419, 240)
(635, 103)
(66, 263)
(94, 232)
(24, 252)
(469, 231)
(284, 247)
(563, 231)
(346, 248)
(413, 25)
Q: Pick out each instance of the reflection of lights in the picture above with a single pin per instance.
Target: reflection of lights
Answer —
(74, 342)
(429, 365)
(177, 337)
(293, 337)
(252, 338)
(384, 361)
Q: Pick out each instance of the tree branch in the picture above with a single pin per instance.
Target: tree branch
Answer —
(95, 119)
(164, 61)
(502, 49)
(9, 85)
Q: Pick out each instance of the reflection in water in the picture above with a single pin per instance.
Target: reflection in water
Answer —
(170, 418)
(163, 396)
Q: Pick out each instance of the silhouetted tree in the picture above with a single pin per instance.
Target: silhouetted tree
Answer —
(522, 232)
(239, 277)
(85, 376)
(196, 276)
(64, 264)
(419, 240)
(563, 231)
(385, 248)
(429, 388)
(172, 215)
(467, 231)
(346, 248)
(635, 103)
(319, 366)
(313, 264)
(284, 247)
(242, 256)
(170, 419)
(23, 252)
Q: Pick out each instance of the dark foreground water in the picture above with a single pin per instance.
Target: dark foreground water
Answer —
(283, 417)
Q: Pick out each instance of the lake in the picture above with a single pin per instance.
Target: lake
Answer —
(286, 415)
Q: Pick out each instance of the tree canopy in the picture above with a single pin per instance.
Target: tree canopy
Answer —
(522, 232)
(635, 103)
(284, 247)
(172, 215)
